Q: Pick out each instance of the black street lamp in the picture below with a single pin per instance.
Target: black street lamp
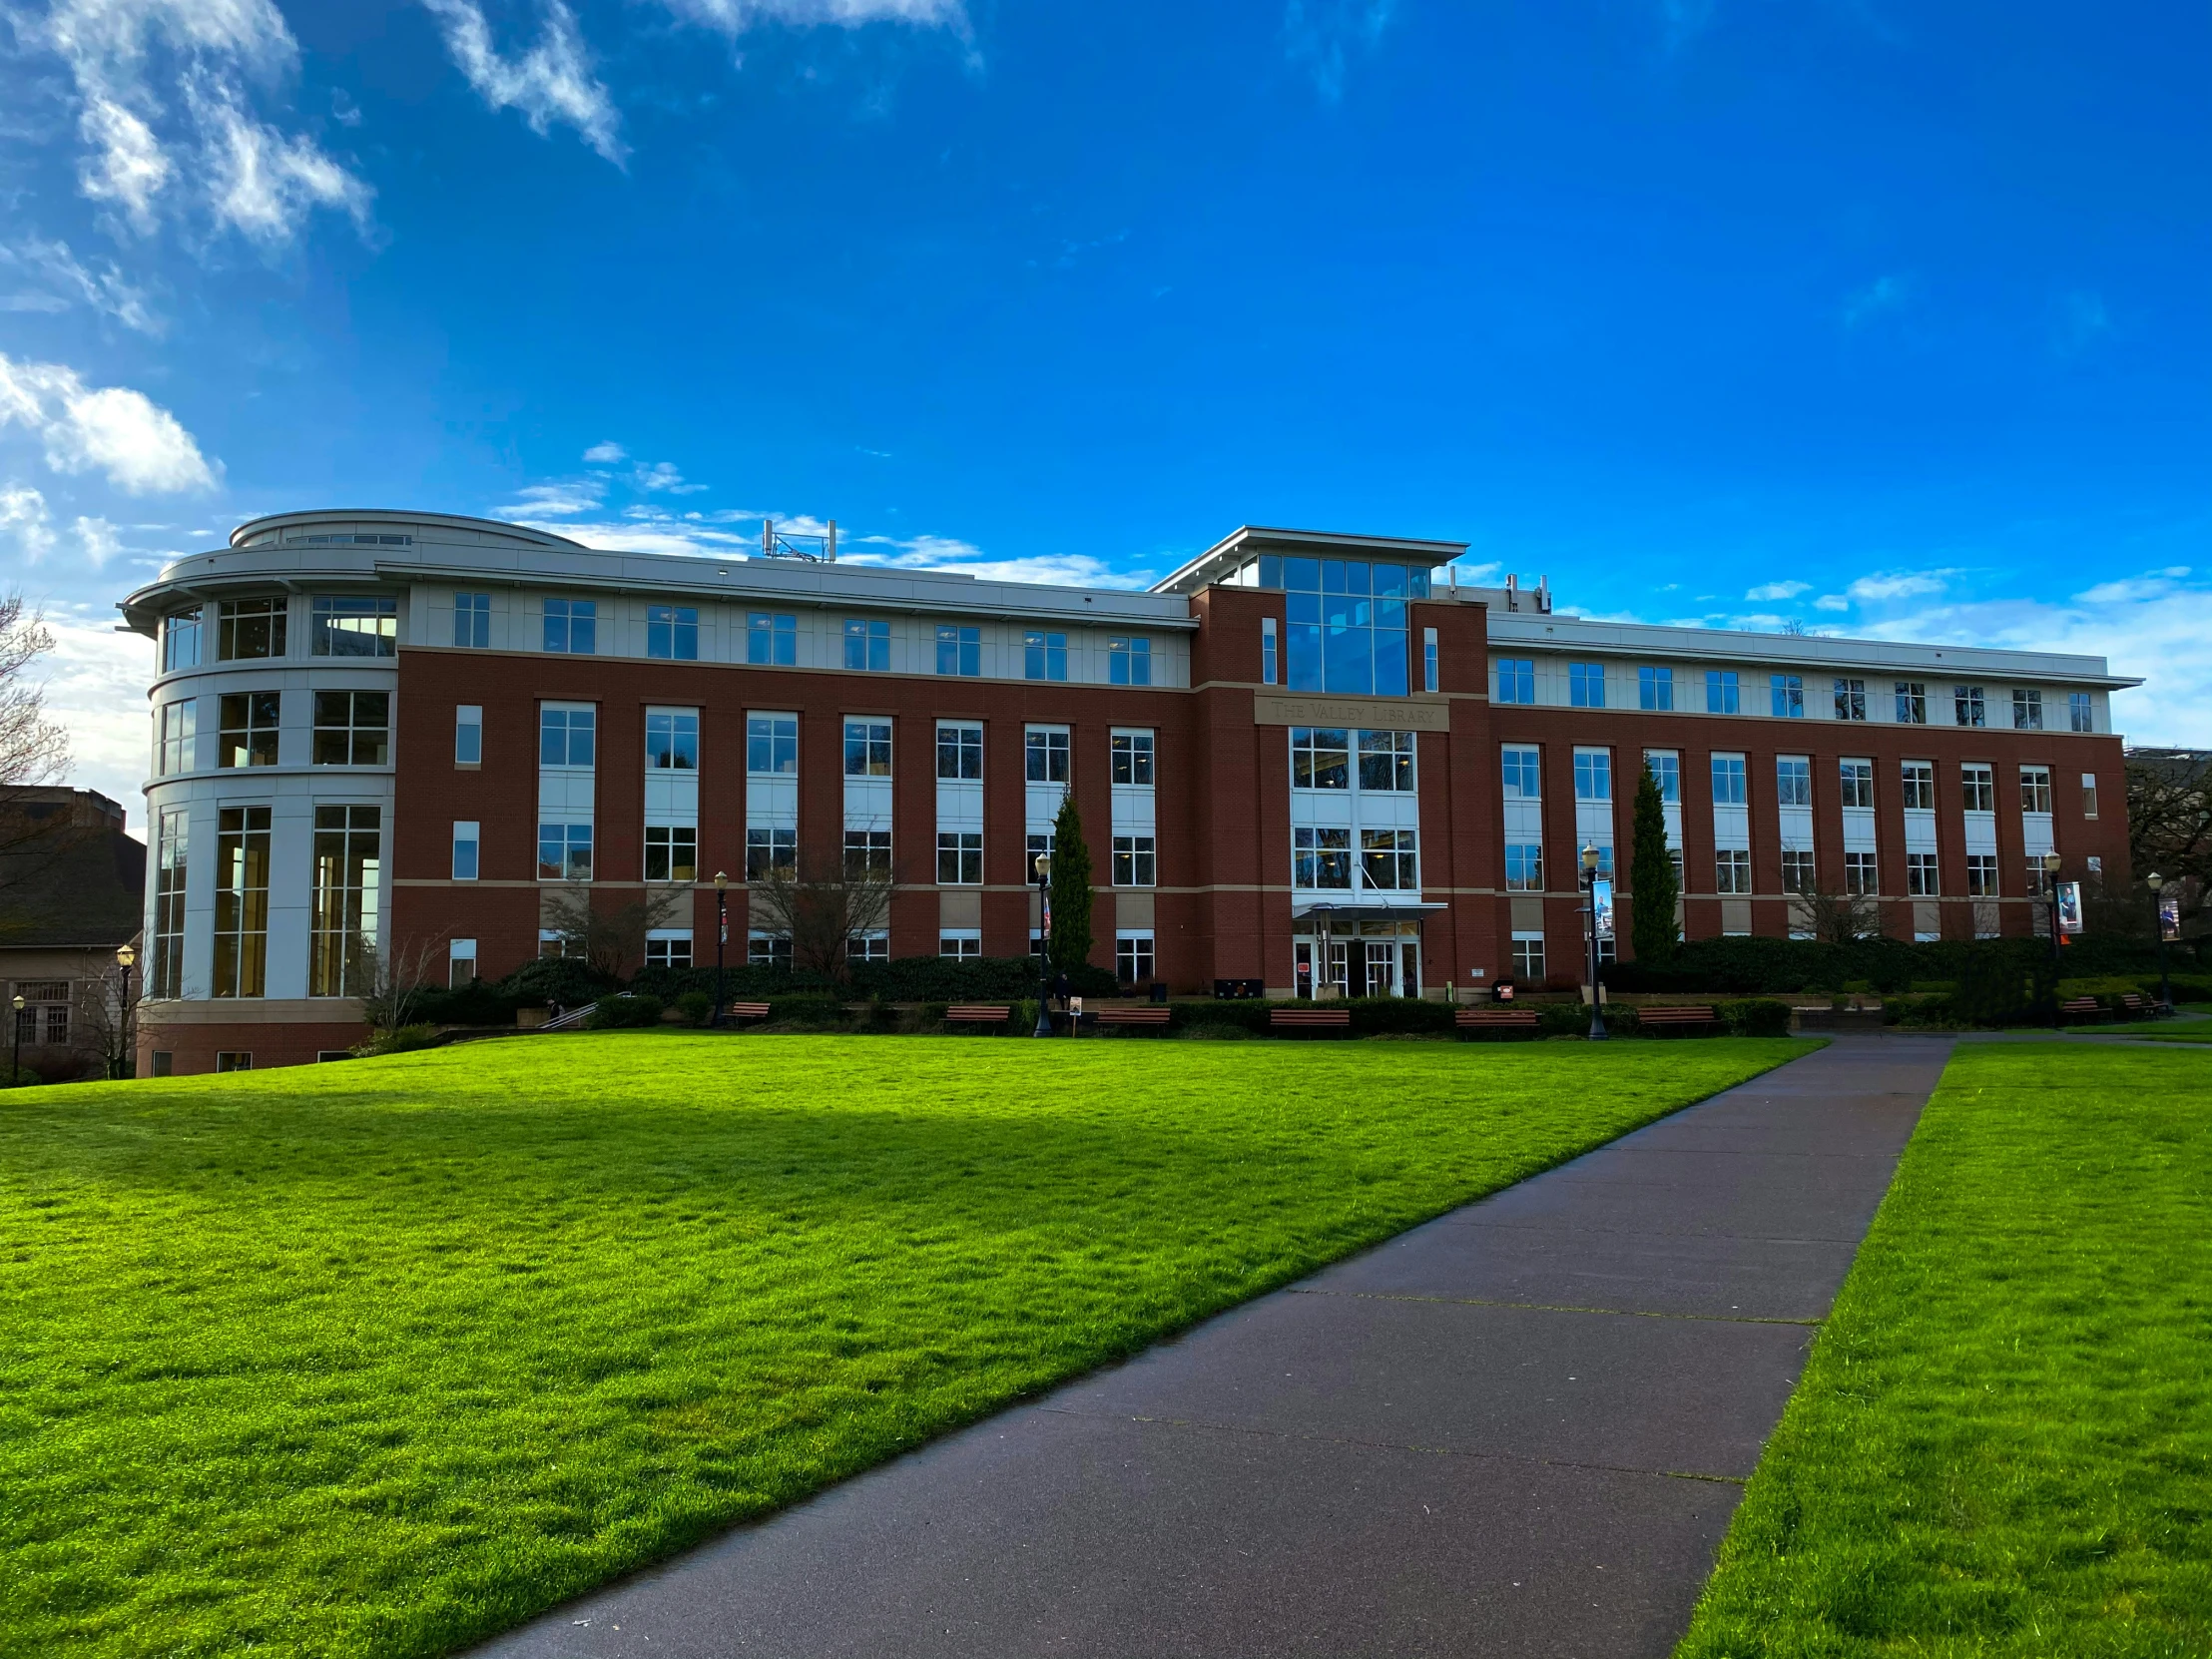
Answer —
(2050, 892)
(126, 1061)
(2154, 882)
(722, 937)
(1044, 947)
(15, 1071)
(1597, 1008)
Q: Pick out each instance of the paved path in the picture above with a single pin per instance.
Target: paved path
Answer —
(1519, 1429)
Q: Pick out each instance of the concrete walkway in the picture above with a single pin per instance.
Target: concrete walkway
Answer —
(1519, 1429)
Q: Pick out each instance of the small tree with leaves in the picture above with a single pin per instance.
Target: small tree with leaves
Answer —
(1070, 945)
(821, 908)
(1653, 887)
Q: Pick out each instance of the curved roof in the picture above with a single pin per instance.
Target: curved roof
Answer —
(253, 527)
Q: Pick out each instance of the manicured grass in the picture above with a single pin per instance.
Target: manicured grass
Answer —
(377, 1357)
(2002, 1444)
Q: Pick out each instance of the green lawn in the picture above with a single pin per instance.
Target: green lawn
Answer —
(2002, 1444)
(380, 1357)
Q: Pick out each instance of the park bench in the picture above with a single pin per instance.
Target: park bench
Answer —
(1495, 1019)
(1283, 1019)
(748, 1010)
(1133, 1016)
(1698, 1018)
(2080, 1007)
(977, 1013)
(2139, 1007)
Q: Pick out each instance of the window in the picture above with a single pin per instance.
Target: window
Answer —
(1593, 774)
(460, 962)
(466, 841)
(1268, 664)
(180, 726)
(1038, 846)
(1387, 860)
(960, 858)
(1980, 785)
(671, 852)
(1129, 661)
(1859, 876)
(2088, 795)
(1528, 957)
(770, 849)
(472, 620)
(564, 852)
(1850, 700)
(181, 640)
(234, 1059)
(868, 947)
(960, 651)
(572, 624)
(867, 853)
(2079, 712)
(960, 751)
(1347, 622)
(1732, 872)
(1856, 781)
(1586, 684)
(2035, 788)
(1968, 706)
(769, 950)
(1516, 680)
(1429, 679)
(1982, 875)
(1666, 771)
(349, 864)
(1793, 780)
(165, 973)
(248, 629)
(868, 646)
(770, 745)
(1655, 688)
(246, 735)
(1524, 866)
(1721, 691)
(1788, 692)
(1045, 755)
(1386, 762)
(1918, 781)
(671, 740)
(867, 748)
(1321, 757)
(566, 736)
(468, 735)
(1797, 871)
(45, 1018)
(2028, 711)
(1133, 958)
(1523, 773)
(1920, 875)
(961, 944)
(1321, 858)
(1045, 656)
(1728, 780)
(1135, 862)
(671, 632)
(351, 728)
(1132, 759)
(771, 640)
(351, 627)
(668, 948)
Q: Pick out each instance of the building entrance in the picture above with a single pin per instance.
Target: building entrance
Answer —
(1363, 958)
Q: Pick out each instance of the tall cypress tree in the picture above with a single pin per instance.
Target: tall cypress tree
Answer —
(1070, 945)
(1652, 885)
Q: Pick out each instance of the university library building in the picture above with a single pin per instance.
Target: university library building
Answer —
(1310, 761)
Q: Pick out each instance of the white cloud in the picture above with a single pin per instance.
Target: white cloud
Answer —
(651, 533)
(1320, 36)
(551, 83)
(1776, 590)
(733, 17)
(264, 183)
(966, 559)
(555, 500)
(2154, 585)
(663, 478)
(68, 281)
(1884, 293)
(23, 519)
(606, 454)
(111, 429)
(1832, 602)
(96, 691)
(1897, 585)
(98, 540)
(127, 165)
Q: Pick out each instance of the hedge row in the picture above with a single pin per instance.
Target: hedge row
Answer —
(1750, 965)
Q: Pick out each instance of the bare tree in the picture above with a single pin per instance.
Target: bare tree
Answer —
(34, 750)
(1837, 917)
(393, 981)
(2169, 821)
(819, 911)
(610, 939)
(104, 1020)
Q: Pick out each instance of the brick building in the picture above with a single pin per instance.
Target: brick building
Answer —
(1314, 760)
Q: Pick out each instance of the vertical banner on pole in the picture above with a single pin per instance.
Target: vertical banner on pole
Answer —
(2069, 907)
(1601, 906)
(2169, 917)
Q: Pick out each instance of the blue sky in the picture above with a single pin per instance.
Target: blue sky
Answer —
(1870, 317)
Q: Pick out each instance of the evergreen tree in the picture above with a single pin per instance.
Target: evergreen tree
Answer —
(1070, 945)
(1652, 885)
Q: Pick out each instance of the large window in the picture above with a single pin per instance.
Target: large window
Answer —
(1654, 688)
(771, 849)
(472, 620)
(246, 731)
(1728, 780)
(1593, 774)
(1136, 861)
(867, 852)
(960, 651)
(1859, 876)
(1793, 780)
(2027, 710)
(770, 638)
(1732, 871)
(2035, 788)
(1321, 757)
(960, 858)
(1524, 866)
(352, 729)
(1665, 767)
(349, 626)
(1386, 761)
(1320, 858)
(179, 730)
(1129, 661)
(672, 740)
(1045, 755)
(1132, 759)
(1911, 702)
(669, 947)
(181, 640)
(770, 745)
(567, 737)
(1516, 680)
(1857, 778)
(1389, 861)
(1788, 693)
(242, 902)
(1979, 785)
(1920, 875)
(164, 972)
(2081, 713)
(1586, 684)
(1133, 957)
(867, 748)
(1347, 622)
(1917, 781)
(1797, 871)
(1722, 694)
(1523, 773)
(671, 852)
(1982, 875)
(1044, 656)
(868, 646)
(248, 629)
(1969, 705)
(671, 632)
(564, 852)
(1850, 700)
(960, 751)
(572, 626)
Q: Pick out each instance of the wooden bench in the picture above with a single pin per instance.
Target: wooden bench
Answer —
(1132, 1016)
(1495, 1019)
(977, 1013)
(1699, 1017)
(748, 1010)
(2080, 1007)
(1295, 1017)
(2139, 1007)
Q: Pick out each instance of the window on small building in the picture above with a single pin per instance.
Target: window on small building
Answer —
(672, 740)
(179, 734)
(769, 950)
(868, 646)
(1044, 656)
(1133, 957)
(1982, 875)
(2081, 713)
(1920, 875)
(1136, 864)
(770, 745)
(671, 852)
(668, 948)
(1586, 684)
(1859, 874)
(1386, 762)
(960, 858)
(1129, 661)
(1917, 780)
(1389, 861)
(234, 1059)
(1655, 688)
(2027, 710)
(1732, 871)
(960, 749)
(472, 620)
(770, 849)
(1979, 785)
(868, 854)
(564, 852)
(1850, 700)
(1045, 755)
(1969, 704)
(1321, 757)
(247, 733)
(1722, 694)
(1528, 957)
(867, 748)
(960, 943)
(1524, 866)
(250, 628)
(1320, 858)
(1797, 871)
(1788, 694)
(1911, 702)
(181, 640)
(1132, 759)
(2035, 788)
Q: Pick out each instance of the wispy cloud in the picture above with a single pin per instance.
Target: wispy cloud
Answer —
(551, 84)
(555, 500)
(1779, 590)
(966, 559)
(64, 282)
(25, 522)
(1890, 585)
(141, 447)
(606, 454)
(1877, 298)
(663, 478)
(1322, 37)
(2156, 584)
(734, 17)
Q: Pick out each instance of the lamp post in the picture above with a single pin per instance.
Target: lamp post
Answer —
(2050, 892)
(1589, 883)
(15, 1071)
(2154, 882)
(722, 936)
(1044, 943)
(127, 1050)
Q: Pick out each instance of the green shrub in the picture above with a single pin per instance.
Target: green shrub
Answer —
(814, 1011)
(1373, 1016)
(1563, 1019)
(612, 1012)
(1750, 965)
(19, 1077)
(407, 1039)
(1754, 1017)
(549, 980)
(696, 1007)
(1215, 1031)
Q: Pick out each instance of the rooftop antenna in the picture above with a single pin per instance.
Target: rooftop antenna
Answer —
(1543, 594)
(1512, 591)
(786, 544)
